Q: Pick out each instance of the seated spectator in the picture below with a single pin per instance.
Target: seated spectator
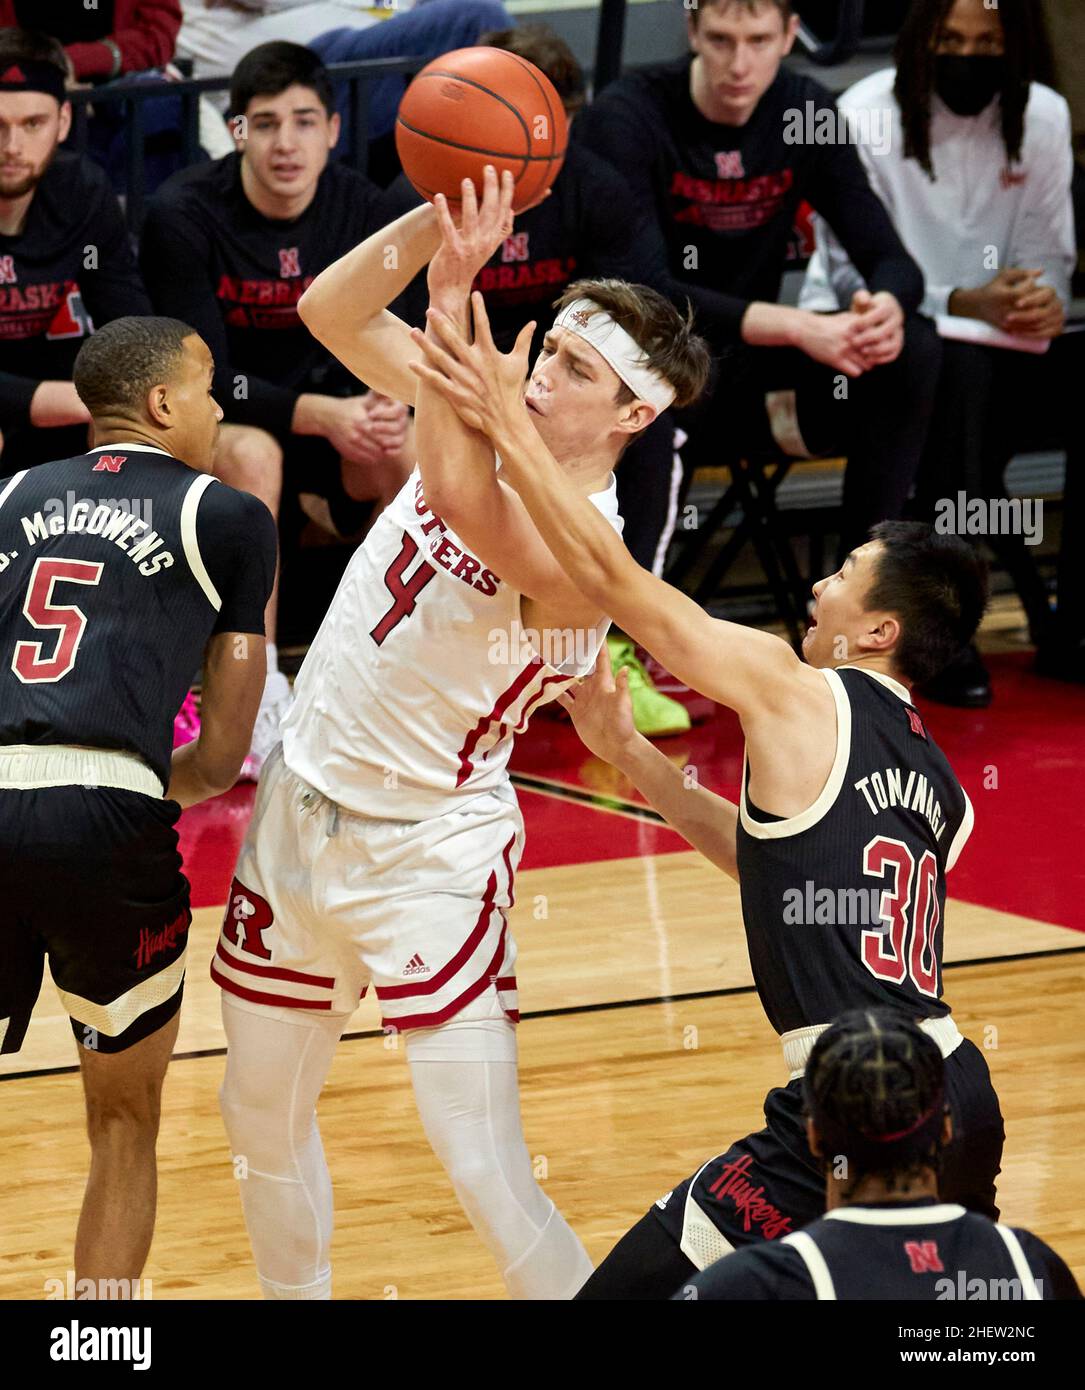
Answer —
(976, 174)
(584, 229)
(216, 35)
(106, 39)
(878, 1123)
(66, 265)
(230, 247)
(722, 148)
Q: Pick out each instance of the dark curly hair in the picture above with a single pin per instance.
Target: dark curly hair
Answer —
(874, 1089)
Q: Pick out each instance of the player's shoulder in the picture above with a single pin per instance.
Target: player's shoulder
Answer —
(80, 182)
(200, 186)
(342, 187)
(876, 89)
(1046, 111)
(586, 171)
(1048, 1267)
(773, 1271)
(793, 90)
(220, 501)
(659, 85)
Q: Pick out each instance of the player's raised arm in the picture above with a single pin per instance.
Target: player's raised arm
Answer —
(345, 307)
(603, 717)
(738, 666)
(457, 462)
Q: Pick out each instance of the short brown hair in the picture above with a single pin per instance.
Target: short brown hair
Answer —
(30, 46)
(538, 44)
(784, 6)
(664, 334)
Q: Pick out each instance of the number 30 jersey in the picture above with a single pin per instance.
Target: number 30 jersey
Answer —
(421, 674)
(115, 569)
(844, 904)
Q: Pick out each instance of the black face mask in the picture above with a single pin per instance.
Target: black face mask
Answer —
(967, 85)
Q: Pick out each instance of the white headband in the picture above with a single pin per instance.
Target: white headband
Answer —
(620, 349)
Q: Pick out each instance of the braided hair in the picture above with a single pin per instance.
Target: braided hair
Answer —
(1027, 56)
(875, 1092)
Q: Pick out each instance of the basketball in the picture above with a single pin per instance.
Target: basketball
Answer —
(479, 106)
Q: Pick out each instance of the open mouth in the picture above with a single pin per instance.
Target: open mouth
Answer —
(532, 406)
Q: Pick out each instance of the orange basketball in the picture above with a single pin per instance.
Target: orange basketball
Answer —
(479, 106)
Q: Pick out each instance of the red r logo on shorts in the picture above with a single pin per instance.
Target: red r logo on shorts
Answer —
(253, 914)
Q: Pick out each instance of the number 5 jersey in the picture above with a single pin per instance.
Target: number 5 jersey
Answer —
(115, 569)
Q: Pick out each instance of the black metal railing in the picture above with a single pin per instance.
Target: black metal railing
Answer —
(357, 77)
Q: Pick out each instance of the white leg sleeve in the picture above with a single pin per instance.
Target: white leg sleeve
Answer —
(465, 1083)
(275, 1068)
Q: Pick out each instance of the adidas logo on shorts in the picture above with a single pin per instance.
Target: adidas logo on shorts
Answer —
(416, 966)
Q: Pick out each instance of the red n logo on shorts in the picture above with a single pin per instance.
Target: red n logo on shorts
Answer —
(253, 914)
(924, 1256)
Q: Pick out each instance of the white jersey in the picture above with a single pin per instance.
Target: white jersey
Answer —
(421, 674)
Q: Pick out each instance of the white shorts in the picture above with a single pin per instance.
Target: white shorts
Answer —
(325, 901)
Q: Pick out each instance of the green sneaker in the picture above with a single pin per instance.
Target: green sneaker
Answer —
(655, 715)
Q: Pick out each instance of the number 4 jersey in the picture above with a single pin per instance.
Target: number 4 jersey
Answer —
(115, 569)
(843, 905)
(421, 673)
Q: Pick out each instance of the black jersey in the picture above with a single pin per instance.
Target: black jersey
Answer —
(844, 904)
(243, 274)
(115, 569)
(921, 1252)
(70, 268)
(724, 198)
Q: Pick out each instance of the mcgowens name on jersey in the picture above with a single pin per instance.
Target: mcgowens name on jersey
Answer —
(110, 523)
(883, 790)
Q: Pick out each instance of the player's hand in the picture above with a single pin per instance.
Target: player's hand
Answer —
(485, 387)
(996, 301)
(1039, 314)
(350, 427)
(879, 336)
(466, 248)
(602, 710)
(830, 338)
(389, 420)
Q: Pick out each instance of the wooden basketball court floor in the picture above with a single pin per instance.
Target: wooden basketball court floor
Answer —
(643, 1047)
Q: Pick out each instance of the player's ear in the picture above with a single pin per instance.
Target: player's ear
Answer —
(65, 122)
(158, 406)
(947, 1128)
(334, 126)
(813, 1138)
(637, 416)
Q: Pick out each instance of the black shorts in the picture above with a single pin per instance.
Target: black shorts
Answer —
(92, 878)
(769, 1184)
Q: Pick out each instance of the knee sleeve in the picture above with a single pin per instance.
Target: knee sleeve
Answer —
(275, 1070)
(465, 1082)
